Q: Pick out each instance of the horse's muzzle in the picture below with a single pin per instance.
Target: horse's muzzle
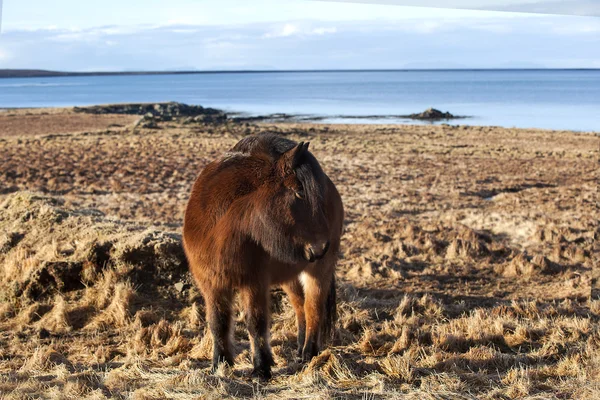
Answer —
(313, 253)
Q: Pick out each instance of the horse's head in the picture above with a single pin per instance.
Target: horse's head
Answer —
(290, 219)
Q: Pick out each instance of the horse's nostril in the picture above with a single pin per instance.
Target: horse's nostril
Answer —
(315, 252)
(309, 254)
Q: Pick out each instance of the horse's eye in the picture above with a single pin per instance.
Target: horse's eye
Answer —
(300, 192)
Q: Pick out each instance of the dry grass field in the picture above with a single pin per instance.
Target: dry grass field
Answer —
(465, 271)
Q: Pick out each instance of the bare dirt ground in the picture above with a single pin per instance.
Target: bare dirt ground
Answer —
(24, 122)
(465, 273)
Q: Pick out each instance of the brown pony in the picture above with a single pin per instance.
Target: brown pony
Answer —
(265, 214)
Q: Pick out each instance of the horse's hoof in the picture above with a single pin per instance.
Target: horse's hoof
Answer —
(309, 352)
(264, 374)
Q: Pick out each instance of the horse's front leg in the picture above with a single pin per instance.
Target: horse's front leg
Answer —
(316, 284)
(295, 293)
(256, 302)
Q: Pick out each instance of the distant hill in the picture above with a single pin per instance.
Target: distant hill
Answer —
(40, 73)
(25, 73)
(36, 73)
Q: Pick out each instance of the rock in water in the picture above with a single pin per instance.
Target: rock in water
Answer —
(159, 111)
(432, 114)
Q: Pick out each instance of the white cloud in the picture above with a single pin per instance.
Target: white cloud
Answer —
(296, 29)
(113, 30)
(285, 31)
(184, 30)
(324, 31)
(289, 29)
(546, 41)
(69, 37)
(4, 55)
(86, 35)
(494, 27)
(181, 21)
(591, 27)
(427, 27)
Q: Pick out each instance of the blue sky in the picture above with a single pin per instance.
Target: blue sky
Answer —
(295, 34)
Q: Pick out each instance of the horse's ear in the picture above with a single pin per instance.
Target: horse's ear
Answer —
(291, 158)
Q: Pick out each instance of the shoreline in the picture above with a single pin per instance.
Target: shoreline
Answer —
(518, 98)
(284, 118)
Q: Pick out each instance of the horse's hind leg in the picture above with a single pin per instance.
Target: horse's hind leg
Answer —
(218, 314)
(296, 295)
(256, 302)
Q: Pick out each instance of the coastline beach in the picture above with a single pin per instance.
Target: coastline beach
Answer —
(466, 263)
(548, 99)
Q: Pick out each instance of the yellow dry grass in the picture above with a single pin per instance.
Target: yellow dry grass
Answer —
(465, 270)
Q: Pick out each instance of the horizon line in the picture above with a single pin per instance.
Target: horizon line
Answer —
(43, 73)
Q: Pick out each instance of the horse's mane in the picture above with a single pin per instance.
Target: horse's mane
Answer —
(308, 172)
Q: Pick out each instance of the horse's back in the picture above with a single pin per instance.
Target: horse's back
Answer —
(219, 184)
(265, 143)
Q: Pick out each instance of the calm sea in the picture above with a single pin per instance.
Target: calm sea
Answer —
(553, 99)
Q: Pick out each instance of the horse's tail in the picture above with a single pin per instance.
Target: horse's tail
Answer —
(328, 333)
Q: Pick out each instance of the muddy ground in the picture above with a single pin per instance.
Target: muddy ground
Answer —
(465, 270)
